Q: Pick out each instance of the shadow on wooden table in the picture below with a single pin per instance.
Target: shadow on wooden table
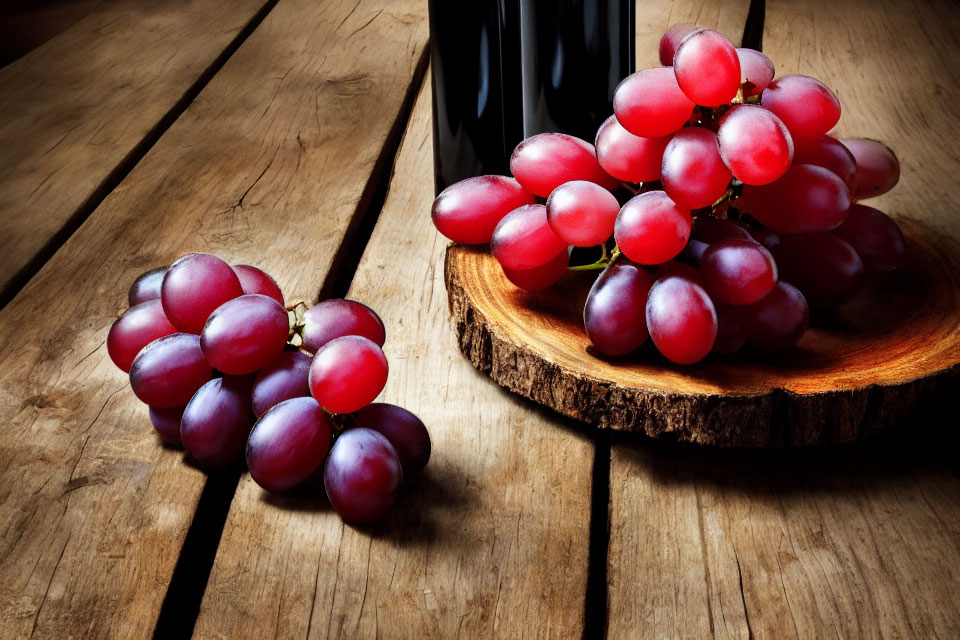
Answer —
(758, 473)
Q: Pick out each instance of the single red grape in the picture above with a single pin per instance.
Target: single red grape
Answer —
(284, 378)
(135, 329)
(628, 157)
(288, 444)
(694, 174)
(362, 476)
(756, 71)
(615, 313)
(469, 210)
(776, 322)
(877, 167)
(542, 277)
(244, 334)
(525, 240)
(582, 213)
(146, 286)
(347, 374)
(681, 319)
(825, 268)
(217, 421)
(875, 237)
(168, 371)
(672, 39)
(829, 153)
(650, 104)
(731, 332)
(738, 271)
(754, 144)
(339, 317)
(806, 199)
(254, 280)
(652, 228)
(194, 286)
(707, 68)
(166, 421)
(805, 105)
(405, 431)
(543, 162)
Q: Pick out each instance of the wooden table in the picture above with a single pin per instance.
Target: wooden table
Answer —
(295, 135)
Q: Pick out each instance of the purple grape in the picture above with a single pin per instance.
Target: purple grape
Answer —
(254, 280)
(284, 378)
(362, 476)
(217, 421)
(405, 431)
(777, 321)
(337, 318)
(615, 313)
(167, 423)
(194, 286)
(168, 371)
(135, 329)
(146, 286)
(825, 268)
(244, 334)
(288, 444)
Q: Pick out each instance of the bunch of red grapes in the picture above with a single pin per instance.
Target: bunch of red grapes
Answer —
(226, 370)
(720, 205)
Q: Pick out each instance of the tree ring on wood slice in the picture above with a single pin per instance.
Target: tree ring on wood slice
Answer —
(888, 359)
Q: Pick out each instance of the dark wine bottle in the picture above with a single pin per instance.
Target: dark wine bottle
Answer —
(574, 54)
(477, 114)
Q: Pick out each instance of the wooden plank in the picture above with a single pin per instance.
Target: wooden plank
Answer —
(491, 542)
(850, 542)
(266, 167)
(76, 108)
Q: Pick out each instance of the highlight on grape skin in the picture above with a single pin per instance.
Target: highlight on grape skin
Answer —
(727, 162)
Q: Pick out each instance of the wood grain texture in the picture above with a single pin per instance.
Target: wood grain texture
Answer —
(849, 542)
(266, 167)
(490, 542)
(875, 362)
(75, 108)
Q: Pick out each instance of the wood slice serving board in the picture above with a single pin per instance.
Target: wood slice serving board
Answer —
(888, 359)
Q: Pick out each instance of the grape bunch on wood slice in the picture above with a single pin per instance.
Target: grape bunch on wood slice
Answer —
(721, 206)
(229, 372)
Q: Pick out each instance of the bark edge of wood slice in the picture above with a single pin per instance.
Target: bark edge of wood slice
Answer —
(890, 359)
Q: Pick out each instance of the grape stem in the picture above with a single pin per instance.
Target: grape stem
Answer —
(604, 261)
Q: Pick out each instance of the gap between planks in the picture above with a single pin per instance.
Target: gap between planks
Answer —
(181, 605)
(123, 168)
